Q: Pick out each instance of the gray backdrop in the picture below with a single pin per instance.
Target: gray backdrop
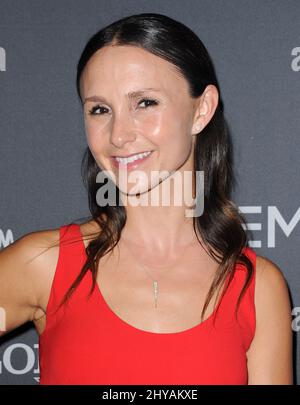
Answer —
(255, 46)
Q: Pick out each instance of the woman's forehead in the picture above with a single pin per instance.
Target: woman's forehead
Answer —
(130, 65)
(131, 56)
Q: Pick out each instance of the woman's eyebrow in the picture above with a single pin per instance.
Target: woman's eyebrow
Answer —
(130, 95)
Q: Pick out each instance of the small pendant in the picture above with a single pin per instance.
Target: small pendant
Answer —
(155, 290)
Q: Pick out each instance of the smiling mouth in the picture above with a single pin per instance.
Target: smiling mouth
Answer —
(131, 159)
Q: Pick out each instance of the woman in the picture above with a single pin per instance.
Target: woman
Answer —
(143, 293)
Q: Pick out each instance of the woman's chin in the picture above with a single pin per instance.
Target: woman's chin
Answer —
(135, 190)
(138, 190)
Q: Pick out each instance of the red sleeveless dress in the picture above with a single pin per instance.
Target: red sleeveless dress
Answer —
(87, 343)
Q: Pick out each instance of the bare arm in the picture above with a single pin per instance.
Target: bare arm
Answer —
(23, 272)
(270, 353)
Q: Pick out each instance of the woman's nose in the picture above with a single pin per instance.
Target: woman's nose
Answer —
(122, 130)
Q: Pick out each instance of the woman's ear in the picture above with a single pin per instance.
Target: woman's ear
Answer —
(205, 108)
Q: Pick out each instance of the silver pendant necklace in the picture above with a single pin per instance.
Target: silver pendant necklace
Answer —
(155, 288)
(154, 283)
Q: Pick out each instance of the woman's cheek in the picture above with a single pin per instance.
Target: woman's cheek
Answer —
(148, 124)
(94, 135)
(164, 128)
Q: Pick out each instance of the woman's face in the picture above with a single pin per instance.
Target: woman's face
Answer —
(136, 102)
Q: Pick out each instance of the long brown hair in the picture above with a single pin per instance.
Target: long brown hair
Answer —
(221, 226)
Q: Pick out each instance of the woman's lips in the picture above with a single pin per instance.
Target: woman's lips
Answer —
(131, 165)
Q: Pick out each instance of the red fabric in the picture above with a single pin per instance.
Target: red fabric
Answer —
(87, 343)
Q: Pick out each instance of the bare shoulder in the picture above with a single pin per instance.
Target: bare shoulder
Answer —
(44, 246)
(40, 251)
(271, 290)
(30, 251)
(40, 246)
(27, 267)
(270, 278)
(27, 270)
(270, 352)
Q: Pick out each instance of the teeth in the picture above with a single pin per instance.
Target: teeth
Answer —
(125, 161)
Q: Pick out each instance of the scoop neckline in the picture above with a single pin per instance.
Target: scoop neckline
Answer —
(133, 328)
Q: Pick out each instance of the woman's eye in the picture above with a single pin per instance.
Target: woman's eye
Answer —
(102, 110)
(93, 110)
(148, 102)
